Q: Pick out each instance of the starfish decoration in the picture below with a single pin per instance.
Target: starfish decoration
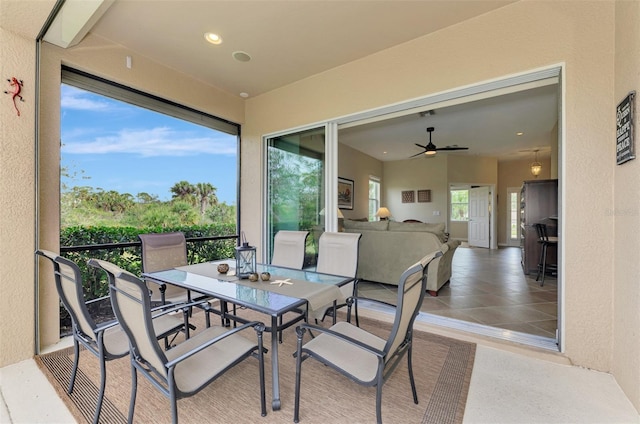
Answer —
(281, 282)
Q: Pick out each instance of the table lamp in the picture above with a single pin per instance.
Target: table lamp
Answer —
(383, 213)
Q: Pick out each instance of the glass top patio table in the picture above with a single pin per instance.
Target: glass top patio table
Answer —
(308, 287)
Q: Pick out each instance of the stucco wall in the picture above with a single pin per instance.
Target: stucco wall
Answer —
(512, 40)
(17, 188)
(626, 212)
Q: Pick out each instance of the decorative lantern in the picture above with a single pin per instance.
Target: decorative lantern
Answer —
(245, 259)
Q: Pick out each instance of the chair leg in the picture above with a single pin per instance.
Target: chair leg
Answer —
(74, 371)
(544, 263)
(134, 388)
(411, 379)
(174, 408)
(540, 261)
(103, 381)
(355, 294)
(296, 409)
(379, 399)
(263, 401)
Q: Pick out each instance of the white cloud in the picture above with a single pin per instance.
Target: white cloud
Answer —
(159, 141)
(74, 98)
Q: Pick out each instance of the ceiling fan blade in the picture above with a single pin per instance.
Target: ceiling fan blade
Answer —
(452, 148)
(421, 146)
(417, 154)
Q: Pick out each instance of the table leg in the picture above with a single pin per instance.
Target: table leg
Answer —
(275, 375)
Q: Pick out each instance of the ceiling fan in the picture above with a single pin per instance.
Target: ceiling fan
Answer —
(431, 149)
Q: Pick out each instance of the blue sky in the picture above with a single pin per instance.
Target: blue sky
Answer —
(113, 145)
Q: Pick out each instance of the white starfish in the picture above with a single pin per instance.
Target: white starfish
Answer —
(281, 282)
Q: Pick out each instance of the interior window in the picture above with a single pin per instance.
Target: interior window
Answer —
(374, 197)
(459, 205)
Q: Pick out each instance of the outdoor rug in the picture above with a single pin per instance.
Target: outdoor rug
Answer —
(442, 369)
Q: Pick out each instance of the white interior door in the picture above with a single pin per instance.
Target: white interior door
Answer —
(479, 217)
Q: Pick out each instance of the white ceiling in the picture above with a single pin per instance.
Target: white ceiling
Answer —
(287, 40)
(292, 40)
(488, 127)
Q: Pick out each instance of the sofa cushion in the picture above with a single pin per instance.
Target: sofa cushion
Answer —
(367, 226)
(437, 229)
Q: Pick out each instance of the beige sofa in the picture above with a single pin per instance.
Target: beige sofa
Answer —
(388, 248)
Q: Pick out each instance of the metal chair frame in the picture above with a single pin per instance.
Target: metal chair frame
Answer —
(151, 361)
(398, 344)
(85, 331)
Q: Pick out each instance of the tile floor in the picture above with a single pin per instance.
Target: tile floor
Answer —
(488, 287)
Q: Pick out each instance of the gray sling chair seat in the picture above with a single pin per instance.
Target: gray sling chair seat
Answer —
(162, 251)
(289, 249)
(338, 255)
(106, 341)
(364, 357)
(191, 365)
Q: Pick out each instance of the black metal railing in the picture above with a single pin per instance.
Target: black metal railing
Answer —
(127, 255)
(109, 246)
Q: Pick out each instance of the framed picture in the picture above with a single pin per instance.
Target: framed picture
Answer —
(424, 195)
(408, 196)
(345, 193)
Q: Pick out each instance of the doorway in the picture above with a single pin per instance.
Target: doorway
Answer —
(381, 142)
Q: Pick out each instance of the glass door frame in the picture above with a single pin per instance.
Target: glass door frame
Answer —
(330, 179)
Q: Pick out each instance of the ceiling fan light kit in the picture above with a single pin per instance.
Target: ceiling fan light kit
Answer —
(431, 149)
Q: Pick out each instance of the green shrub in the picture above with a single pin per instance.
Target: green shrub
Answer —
(129, 258)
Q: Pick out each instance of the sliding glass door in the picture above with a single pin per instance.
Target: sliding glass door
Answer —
(296, 166)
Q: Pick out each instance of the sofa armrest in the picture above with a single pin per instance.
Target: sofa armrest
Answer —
(439, 271)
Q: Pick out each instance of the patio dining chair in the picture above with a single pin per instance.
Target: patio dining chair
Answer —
(360, 355)
(106, 341)
(289, 249)
(162, 251)
(338, 255)
(191, 365)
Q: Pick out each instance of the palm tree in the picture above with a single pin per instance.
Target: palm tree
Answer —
(206, 194)
(184, 190)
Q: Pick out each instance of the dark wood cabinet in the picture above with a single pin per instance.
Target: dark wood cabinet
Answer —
(538, 204)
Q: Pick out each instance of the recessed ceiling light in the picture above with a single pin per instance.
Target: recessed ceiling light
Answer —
(519, 133)
(241, 56)
(213, 38)
(245, 95)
